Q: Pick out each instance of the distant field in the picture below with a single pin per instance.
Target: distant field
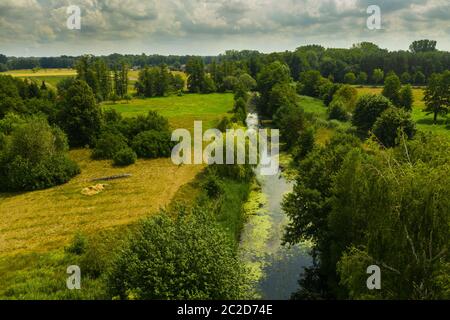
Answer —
(43, 220)
(424, 122)
(53, 76)
(181, 111)
(50, 76)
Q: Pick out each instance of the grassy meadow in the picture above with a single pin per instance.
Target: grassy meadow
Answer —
(42, 220)
(181, 111)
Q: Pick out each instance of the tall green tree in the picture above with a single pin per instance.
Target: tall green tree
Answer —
(437, 95)
(406, 98)
(391, 90)
(377, 76)
(423, 46)
(80, 116)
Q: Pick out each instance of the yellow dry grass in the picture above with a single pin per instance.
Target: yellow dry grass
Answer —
(43, 220)
(41, 73)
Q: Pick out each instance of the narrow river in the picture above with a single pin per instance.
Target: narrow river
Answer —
(275, 269)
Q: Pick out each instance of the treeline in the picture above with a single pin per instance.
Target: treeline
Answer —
(106, 83)
(17, 63)
(364, 63)
(158, 82)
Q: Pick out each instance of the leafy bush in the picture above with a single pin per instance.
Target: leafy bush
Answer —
(387, 127)
(35, 157)
(21, 174)
(306, 143)
(78, 245)
(213, 186)
(368, 109)
(130, 127)
(291, 121)
(152, 144)
(108, 145)
(337, 111)
(124, 157)
(187, 258)
(348, 95)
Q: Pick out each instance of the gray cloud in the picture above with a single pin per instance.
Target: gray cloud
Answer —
(204, 26)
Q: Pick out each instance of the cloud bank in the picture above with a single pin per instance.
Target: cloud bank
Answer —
(38, 27)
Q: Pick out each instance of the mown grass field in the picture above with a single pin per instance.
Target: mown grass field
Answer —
(424, 121)
(43, 220)
(181, 111)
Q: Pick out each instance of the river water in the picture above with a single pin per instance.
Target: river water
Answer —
(275, 268)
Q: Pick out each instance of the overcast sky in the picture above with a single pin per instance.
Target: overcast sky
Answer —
(209, 27)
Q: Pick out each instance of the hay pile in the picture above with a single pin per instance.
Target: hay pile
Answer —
(93, 190)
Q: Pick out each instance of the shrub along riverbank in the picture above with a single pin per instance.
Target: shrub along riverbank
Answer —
(210, 207)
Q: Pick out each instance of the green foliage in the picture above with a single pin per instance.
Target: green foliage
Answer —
(213, 186)
(224, 124)
(240, 109)
(362, 78)
(186, 258)
(327, 91)
(391, 90)
(368, 109)
(230, 83)
(419, 78)
(350, 78)
(198, 80)
(395, 218)
(80, 116)
(423, 46)
(108, 144)
(437, 95)
(152, 144)
(158, 82)
(124, 157)
(10, 99)
(130, 127)
(95, 72)
(78, 245)
(306, 143)
(310, 82)
(281, 95)
(348, 95)
(337, 111)
(377, 76)
(34, 157)
(406, 98)
(392, 123)
(406, 78)
(388, 208)
(270, 76)
(290, 120)
(247, 82)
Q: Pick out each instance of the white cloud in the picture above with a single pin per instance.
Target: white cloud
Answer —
(201, 26)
